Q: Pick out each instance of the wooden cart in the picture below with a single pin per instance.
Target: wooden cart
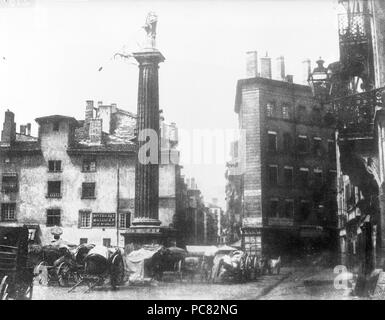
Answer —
(16, 277)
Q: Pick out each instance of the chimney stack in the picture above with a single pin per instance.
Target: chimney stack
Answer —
(289, 78)
(266, 67)
(23, 129)
(306, 71)
(89, 110)
(251, 64)
(280, 68)
(8, 135)
(28, 129)
(95, 132)
(105, 113)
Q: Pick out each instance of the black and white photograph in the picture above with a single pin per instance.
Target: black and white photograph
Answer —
(207, 151)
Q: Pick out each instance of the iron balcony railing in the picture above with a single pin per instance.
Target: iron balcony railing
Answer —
(354, 114)
(354, 27)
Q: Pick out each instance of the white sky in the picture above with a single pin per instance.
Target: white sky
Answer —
(53, 51)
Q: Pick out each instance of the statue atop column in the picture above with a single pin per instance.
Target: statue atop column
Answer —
(150, 28)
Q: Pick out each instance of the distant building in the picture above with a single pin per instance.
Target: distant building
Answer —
(234, 185)
(288, 160)
(80, 175)
(217, 216)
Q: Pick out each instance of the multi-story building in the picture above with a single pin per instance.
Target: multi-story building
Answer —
(288, 156)
(356, 86)
(80, 175)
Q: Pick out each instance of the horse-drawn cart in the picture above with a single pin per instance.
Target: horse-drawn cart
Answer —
(16, 277)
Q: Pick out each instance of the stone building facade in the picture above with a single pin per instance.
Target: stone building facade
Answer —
(79, 175)
(288, 158)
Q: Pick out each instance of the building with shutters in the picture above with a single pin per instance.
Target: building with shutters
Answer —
(287, 156)
(80, 175)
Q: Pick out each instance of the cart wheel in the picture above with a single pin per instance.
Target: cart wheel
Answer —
(63, 274)
(4, 288)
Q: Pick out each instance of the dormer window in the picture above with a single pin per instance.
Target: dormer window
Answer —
(56, 126)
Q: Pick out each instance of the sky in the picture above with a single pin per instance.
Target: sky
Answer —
(51, 51)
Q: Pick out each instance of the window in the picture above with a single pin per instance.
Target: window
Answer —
(272, 141)
(56, 126)
(53, 217)
(54, 166)
(9, 182)
(317, 146)
(288, 176)
(54, 189)
(317, 176)
(84, 219)
(107, 242)
(304, 210)
(285, 111)
(288, 209)
(273, 208)
(304, 177)
(332, 179)
(301, 113)
(270, 109)
(302, 144)
(124, 220)
(83, 241)
(331, 149)
(88, 190)
(8, 211)
(273, 175)
(89, 165)
(316, 116)
(287, 142)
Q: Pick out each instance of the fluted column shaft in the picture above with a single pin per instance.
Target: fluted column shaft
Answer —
(147, 175)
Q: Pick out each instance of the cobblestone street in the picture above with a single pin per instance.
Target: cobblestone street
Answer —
(292, 283)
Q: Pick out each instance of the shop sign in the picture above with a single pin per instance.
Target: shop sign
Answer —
(103, 220)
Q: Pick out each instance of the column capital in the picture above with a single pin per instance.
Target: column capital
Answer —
(150, 56)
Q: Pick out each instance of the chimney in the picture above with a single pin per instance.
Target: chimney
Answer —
(104, 113)
(114, 107)
(289, 78)
(306, 70)
(251, 64)
(266, 67)
(8, 135)
(28, 129)
(89, 110)
(192, 184)
(23, 129)
(280, 71)
(96, 131)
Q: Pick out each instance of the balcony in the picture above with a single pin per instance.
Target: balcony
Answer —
(353, 27)
(355, 114)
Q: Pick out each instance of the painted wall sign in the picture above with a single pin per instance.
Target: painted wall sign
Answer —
(103, 220)
(252, 222)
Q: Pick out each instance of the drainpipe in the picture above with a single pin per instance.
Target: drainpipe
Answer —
(117, 206)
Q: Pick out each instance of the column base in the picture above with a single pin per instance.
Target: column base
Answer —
(137, 222)
(148, 235)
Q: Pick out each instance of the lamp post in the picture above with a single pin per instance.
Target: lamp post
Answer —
(320, 81)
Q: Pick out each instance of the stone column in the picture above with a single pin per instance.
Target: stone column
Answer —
(147, 175)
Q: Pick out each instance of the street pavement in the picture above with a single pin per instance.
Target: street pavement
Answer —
(293, 283)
